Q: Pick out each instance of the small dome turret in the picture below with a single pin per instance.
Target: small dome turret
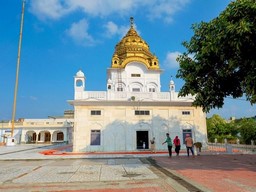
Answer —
(109, 81)
(172, 85)
(80, 74)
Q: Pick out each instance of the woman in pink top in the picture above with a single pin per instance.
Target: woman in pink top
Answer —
(189, 144)
(176, 142)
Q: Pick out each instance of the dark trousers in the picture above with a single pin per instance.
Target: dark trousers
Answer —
(191, 149)
(177, 149)
(170, 150)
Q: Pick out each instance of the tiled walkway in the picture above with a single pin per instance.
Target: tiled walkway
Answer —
(134, 171)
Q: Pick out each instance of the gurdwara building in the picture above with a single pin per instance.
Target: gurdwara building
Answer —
(132, 109)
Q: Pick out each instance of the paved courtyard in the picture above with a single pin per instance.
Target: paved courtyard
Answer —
(220, 173)
(82, 175)
(25, 168)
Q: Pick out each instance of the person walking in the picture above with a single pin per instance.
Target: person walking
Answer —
(189, 144)
(169, 144)
(153, 145)
(176, 143)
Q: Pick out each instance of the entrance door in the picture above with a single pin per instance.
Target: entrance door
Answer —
(142, 137)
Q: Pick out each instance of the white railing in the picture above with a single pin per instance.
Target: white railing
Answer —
(222, 147)
(139, 96)
(94, 95)
(36, 123)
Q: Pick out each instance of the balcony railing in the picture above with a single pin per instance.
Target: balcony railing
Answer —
(125, 96)
(36, 123)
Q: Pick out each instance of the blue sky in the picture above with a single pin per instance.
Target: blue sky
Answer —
(62, 36)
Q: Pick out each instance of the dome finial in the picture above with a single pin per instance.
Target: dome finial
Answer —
(132, 22)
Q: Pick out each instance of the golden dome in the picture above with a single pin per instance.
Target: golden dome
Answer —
(133, 48)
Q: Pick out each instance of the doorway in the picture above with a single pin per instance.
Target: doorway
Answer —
(142, 137)
(185, 132)
(47, 137)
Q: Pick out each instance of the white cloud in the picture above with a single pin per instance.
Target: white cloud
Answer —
(79, 33)
(165, 9)
(33, 98)
(154, 9)
(102, 7)
(113, 29)
(57, 9)
(49, 9)
(170, 60)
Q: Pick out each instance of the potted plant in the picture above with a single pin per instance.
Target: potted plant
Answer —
(133, 98)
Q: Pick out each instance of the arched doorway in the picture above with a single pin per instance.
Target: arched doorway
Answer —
(57, 136)
(44, 136)
(31, 137)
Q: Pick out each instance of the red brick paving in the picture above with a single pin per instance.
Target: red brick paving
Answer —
(236, 173)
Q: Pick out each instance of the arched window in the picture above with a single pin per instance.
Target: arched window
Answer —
(136, 87)
(60, 136)
(79, 83)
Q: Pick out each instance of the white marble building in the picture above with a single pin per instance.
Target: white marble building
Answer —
(38, 131)
(133, 109)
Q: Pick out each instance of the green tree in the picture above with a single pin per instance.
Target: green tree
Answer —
(233, 129)
(220, 60)
(247, 129)
(216, 127)
(219, 128)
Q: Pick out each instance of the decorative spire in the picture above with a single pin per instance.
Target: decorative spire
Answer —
(133, 48)
(171, 81)
(172, 85)
(132, 22)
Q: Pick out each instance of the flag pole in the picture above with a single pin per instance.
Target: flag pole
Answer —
(17, 68)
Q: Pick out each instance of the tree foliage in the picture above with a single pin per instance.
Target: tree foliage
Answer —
(217, 127)
(248, 130)
(220, 60)
(242, 129)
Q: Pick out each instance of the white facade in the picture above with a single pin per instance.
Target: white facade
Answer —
(135, 76)
(120, 129)
(133, 109)
(145, 87)
(38, 131)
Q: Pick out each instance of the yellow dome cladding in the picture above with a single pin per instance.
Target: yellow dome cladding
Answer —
(132, 48)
